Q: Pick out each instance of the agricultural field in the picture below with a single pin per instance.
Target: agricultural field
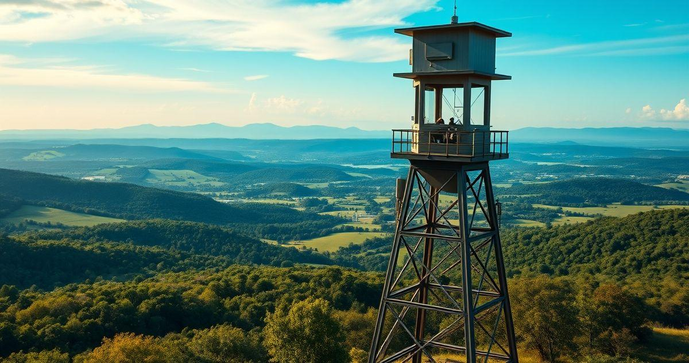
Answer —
(53, 215)
(571, 220)
(527, 223)
(334, 241)
(682, 185)
(182, 178)
(44, 155)
(612, 210)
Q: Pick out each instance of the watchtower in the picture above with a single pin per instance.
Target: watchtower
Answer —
(445, 290)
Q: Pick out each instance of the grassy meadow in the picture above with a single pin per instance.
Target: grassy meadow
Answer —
(333, 242)
(55, 216)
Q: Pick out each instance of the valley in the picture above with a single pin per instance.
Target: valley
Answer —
(197, 237)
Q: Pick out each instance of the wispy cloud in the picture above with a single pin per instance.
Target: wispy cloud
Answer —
(17, 72)
(191, 69)
(256, 77)
(642, 46)
(311, 30)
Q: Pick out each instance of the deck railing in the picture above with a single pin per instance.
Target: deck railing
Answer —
(451, 143)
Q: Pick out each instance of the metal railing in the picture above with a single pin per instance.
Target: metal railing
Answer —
(451, 143)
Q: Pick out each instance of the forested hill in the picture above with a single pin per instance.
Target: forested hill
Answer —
(130, 201)
(192, 237)
(123, 250)
(595, 191)
(645, 245)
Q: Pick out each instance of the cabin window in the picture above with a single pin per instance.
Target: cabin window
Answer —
(478, 99)
(452, 104)
(429, 106)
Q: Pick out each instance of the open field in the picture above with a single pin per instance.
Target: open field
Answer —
(666, 345)
(571, 220)
(43, 155)
(612, 210)
(53, 215)
(679, 185)
(334, 241)
(182, 178)
(528, 223)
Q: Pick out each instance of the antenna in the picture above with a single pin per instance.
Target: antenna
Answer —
(454, 15)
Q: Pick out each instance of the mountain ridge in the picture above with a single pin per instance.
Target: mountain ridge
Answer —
(637, 137)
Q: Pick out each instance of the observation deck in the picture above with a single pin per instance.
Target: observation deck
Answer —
(449, 144)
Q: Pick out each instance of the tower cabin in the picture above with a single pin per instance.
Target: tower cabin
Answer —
(453, 66)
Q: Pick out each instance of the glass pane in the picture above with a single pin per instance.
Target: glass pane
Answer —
(452, 104)
(429, 108)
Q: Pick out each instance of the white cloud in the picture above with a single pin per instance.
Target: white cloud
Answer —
(643, 46)
(256, 77)
(302, 109)
(628, 110)
(16, 72)
(191, 69)
(308, 30)
(679, 113)
(647, 112)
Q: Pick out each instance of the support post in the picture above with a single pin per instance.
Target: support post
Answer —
(466, 119)
(502, 276)
(467, 296)
(392, 262)
(420, 326)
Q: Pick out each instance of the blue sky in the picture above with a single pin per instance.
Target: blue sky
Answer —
(113, 63)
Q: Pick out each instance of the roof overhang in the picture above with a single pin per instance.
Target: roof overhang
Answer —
(491, 76)
(478, 26)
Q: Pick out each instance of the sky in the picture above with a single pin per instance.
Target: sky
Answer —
(84, 64)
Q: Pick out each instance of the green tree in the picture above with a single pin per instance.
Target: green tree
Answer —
(545, 315)
(131, 348)
(46, 356)
(307, 333)
(224, 343)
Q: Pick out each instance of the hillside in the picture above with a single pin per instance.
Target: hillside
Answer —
(191, 237)
(644, 245)
(129, 201)
(594, 191)
(123, 250)
(651, 244)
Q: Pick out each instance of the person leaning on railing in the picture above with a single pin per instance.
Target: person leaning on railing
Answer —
(436, 138)
(452, 131)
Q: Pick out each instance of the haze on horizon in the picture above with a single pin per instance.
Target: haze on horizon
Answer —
(84, 64)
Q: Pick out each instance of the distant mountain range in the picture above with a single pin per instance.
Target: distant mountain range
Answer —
(213, 130)
(636, 137)
(641, 137)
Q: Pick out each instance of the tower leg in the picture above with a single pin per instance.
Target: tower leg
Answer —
(392, 262)
(427, 263)
(502, 276)
(467, 296)
(446, 272)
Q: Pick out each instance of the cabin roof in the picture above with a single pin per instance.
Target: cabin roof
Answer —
(491, 76)
(494, 31)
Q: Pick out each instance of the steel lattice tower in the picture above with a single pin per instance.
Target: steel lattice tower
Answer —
(445, 290)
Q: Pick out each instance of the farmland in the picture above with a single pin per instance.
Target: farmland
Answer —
(55, 216)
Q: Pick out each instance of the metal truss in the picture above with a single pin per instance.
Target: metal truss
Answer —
(453, 301)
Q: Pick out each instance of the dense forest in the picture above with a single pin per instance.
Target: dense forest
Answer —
(593, 191)
(168, 291)
(52, 258)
